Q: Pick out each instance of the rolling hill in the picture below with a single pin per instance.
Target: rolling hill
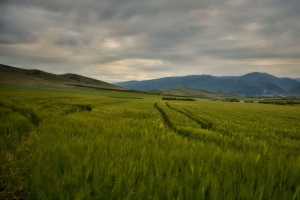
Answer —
(254, 84)
(88, 81)
(190, 92)
(14, 75)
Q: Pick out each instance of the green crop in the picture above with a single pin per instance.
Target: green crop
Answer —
(80, 143)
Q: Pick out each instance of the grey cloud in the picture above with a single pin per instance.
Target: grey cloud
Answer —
(11, 34)
(178, 33)
(10, 30)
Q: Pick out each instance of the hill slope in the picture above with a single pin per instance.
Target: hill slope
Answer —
(88, 81)
(190, 92)
(14, 75)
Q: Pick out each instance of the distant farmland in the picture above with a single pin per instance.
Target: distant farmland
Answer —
(81, 143)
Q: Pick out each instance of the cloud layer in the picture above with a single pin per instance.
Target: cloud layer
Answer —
(138, 39)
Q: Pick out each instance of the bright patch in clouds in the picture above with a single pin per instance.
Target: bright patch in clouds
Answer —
(110, 43)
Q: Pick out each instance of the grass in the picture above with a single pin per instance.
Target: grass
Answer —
(80, 143)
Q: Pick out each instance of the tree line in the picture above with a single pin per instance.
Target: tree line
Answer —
(178, 99)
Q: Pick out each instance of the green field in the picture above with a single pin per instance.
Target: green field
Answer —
(80, 143)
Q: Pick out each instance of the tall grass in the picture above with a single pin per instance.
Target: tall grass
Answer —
(89, 145)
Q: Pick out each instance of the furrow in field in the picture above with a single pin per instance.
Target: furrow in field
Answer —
(187, 126)
(18, 124)
(171, 125)
(164, 115)
(203, 123)
(165, 118)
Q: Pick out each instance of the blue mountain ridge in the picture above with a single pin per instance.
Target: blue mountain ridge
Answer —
(254, 84)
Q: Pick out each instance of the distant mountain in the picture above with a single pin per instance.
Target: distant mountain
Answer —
(284, 83)
(295, 90)
(297, 79)
(254, 84)
(14, 75)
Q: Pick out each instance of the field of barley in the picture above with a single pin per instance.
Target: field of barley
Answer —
(80, 143)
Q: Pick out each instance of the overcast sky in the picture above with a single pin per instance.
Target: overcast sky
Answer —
(118, 40)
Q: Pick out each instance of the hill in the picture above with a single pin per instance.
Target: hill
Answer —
(190, 92)
(295, 90)
(14, 75)
(87, 81)
(253, 84)
(284, 83)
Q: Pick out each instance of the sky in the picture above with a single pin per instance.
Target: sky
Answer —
(119, 40)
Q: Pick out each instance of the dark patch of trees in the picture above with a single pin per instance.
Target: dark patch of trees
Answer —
(178, 99)
(231, 100)
(279, 102)
(36, 72)
(79, 108)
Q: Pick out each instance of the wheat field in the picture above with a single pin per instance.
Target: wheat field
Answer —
(80, 143)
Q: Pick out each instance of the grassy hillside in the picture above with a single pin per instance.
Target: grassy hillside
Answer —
(81, 143)
(13, 75)
(10, 75)
(185, 91)
(88, 81)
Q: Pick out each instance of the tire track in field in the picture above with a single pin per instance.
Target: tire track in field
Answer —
(224, 141)
(169, 124)
(203, 123)
(206, 138)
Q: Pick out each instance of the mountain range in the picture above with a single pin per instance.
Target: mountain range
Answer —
(253, 84)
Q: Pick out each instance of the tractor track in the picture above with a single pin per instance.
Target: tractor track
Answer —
(204, 138)
(168, 123)
(203, 123)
